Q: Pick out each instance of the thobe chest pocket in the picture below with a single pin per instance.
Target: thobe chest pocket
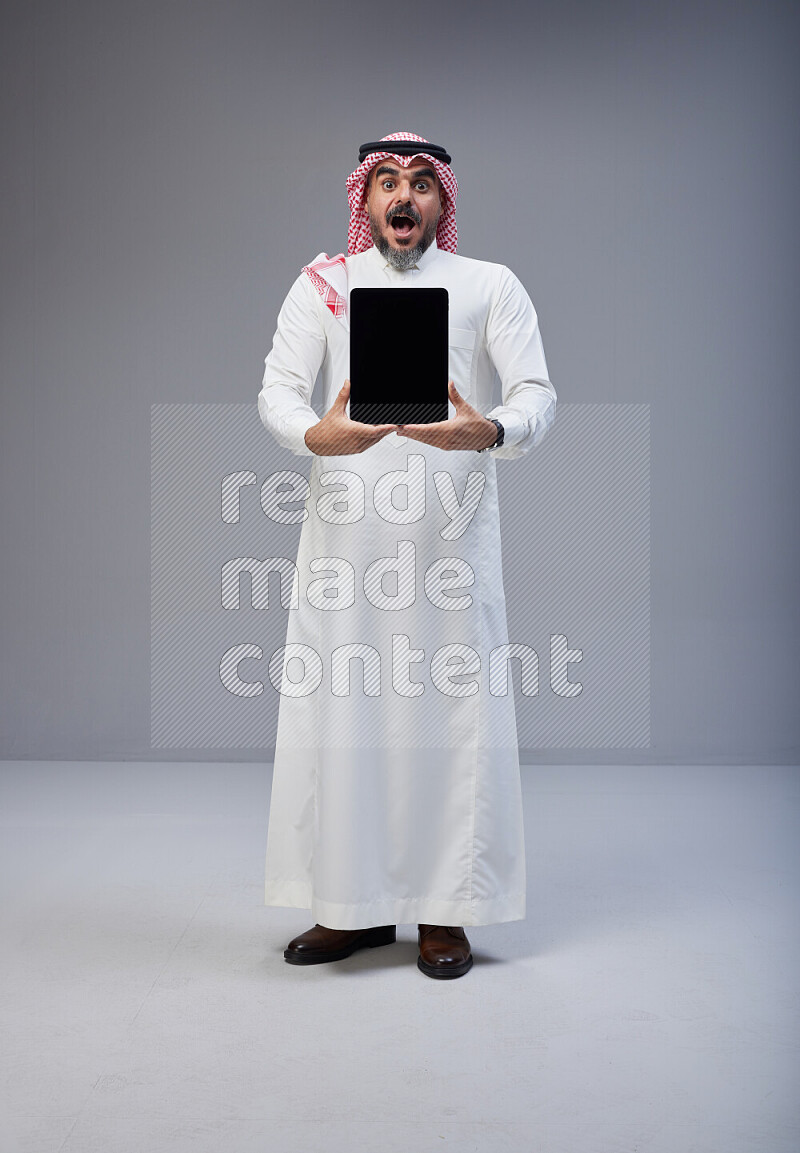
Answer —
(461, 360)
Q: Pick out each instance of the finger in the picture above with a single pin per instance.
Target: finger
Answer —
(380, 429)
(434, 424)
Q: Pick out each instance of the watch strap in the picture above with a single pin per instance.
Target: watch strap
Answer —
(500, 435)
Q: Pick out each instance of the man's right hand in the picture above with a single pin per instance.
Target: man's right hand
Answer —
(337, 435)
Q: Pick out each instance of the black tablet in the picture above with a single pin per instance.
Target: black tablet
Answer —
(398, 355)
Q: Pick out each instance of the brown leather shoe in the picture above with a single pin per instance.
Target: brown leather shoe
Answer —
(322, 944)
(443, 951)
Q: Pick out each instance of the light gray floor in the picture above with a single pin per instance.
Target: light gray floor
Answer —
(648, 1003)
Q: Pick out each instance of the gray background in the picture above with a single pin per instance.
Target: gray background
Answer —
(169, 167)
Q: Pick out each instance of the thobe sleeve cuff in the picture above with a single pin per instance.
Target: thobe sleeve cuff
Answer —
(287, 422)
(524, 430)
(515, 426)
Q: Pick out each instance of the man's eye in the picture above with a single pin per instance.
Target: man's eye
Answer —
(420, 185)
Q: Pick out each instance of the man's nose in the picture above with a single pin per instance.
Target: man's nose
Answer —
(405, 193)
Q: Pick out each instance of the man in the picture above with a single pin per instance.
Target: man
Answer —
(400, 800)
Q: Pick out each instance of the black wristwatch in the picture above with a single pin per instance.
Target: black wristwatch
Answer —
(501, 432)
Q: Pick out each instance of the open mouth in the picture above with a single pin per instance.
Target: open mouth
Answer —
(402, 225)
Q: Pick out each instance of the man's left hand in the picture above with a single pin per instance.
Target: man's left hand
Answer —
(468, 429)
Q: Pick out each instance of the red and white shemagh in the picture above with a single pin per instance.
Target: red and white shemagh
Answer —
(328, 274)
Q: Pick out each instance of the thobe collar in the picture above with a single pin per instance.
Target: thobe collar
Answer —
(428, 256)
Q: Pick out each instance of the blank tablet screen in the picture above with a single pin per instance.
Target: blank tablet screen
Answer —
(398, 355)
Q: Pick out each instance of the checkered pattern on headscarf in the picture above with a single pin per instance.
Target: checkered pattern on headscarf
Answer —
(328, 274)
(359, 237)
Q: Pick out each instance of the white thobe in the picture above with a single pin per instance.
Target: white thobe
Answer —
(396, 793)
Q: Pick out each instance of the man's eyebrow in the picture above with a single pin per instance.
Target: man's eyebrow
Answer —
(386, 169)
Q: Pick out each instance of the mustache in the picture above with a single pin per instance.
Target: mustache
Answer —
(410, 212)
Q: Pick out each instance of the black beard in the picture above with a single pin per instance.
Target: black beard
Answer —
(402, 258)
